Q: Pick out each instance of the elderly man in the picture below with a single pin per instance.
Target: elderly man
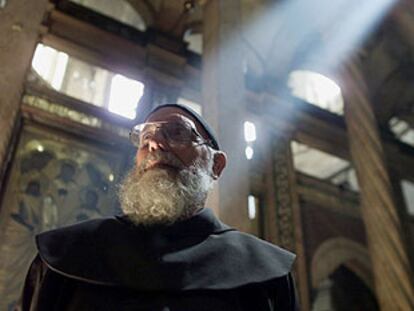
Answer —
(167, 252)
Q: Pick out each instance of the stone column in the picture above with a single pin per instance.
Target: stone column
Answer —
(223, 105)
(386, 241)
(20, 23)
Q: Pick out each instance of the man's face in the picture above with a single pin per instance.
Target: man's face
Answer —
(187, 154)
(171, 180)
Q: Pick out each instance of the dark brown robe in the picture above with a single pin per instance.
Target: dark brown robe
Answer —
(194, 265)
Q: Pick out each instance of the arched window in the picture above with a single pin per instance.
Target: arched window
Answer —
(316, 89)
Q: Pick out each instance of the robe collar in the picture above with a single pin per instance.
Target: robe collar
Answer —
(200, 253)
(204, 222)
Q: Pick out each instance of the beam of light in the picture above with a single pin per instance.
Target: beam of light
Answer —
(285, 35)
(124, 96)
(319, 33)
(314, 35)
(348, 34)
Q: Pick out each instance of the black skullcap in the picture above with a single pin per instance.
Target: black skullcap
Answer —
(196, 116)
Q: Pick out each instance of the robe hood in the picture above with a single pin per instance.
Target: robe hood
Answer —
(197, 253)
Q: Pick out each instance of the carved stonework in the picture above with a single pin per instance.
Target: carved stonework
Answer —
(287, 215)
(283, 196)
(74, 115)
(55, 180)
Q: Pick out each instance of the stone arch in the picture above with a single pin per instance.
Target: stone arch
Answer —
(341, 251)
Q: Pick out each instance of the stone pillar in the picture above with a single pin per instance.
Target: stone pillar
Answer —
(223, 105)
(284, 215)
(20, 23)
(386, 242)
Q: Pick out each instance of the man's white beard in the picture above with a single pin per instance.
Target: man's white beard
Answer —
(161, 195)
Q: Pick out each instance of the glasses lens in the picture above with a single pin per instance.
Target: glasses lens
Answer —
(175, 133)
(134, 137)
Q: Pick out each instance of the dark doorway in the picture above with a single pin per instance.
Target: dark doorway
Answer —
(349, 293)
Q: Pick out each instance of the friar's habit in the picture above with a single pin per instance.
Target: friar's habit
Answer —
(194, 265)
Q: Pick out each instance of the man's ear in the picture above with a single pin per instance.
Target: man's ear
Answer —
(220, 160)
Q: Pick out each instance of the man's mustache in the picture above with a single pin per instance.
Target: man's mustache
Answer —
(160, 158)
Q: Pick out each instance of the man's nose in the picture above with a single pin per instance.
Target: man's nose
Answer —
(157, 142)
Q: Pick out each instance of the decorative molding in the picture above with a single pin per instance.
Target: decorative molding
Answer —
(341, 251)
(35, 107)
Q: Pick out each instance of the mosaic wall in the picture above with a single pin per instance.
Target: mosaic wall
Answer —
(55, 180)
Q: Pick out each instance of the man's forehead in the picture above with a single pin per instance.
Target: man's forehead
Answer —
(175, 114)
(168, 114)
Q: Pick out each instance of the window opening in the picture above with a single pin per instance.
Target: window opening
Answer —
(402, 130)
(194, 41)
(322, 165)
(408, 193)
(123, 96)
(86, 82)
(250, 138)
(252, 206)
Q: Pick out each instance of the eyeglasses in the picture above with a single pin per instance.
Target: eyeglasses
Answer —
(177, 134)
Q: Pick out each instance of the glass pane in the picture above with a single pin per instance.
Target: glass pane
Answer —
(124, 95)
(86, 82)
(50, 65)
(119, 10)
(402, 130)
(322, 165)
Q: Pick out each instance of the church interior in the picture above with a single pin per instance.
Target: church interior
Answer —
(313, 102)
